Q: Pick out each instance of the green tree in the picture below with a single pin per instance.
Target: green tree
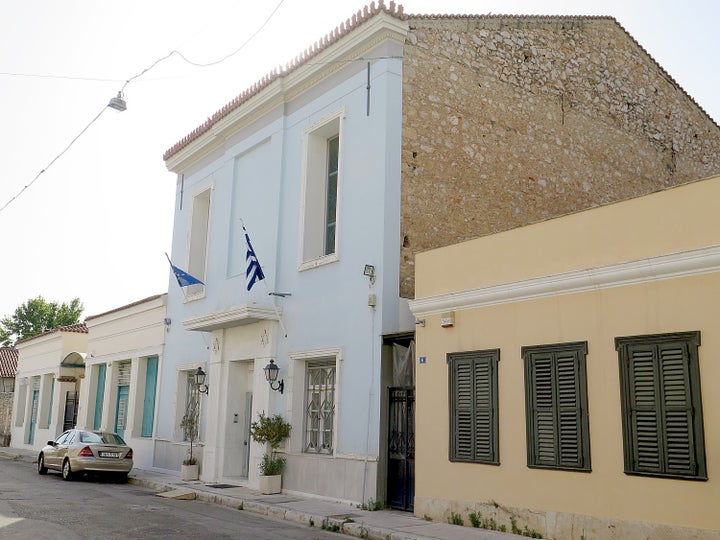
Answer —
(36, 316)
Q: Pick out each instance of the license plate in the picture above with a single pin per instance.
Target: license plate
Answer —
(110, 454)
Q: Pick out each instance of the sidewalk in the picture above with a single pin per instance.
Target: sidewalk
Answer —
(338, 517)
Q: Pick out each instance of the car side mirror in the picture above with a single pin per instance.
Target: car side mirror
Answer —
(51, 443)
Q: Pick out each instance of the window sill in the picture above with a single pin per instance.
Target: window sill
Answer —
(320, 261)
(194, 296)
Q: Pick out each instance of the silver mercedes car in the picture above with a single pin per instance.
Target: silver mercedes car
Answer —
(78, 451)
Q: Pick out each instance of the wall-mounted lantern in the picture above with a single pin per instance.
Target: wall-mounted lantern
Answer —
(200, 381)
(271, 374)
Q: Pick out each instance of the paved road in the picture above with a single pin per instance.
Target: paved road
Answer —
(37, 507)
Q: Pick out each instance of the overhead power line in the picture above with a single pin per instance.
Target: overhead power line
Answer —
(128, 81)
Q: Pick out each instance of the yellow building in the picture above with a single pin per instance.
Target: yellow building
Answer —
(565, 372)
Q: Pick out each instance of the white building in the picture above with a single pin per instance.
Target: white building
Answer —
(125, 356)
(309, 160)
(50, 370)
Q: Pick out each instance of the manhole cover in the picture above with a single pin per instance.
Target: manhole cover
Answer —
(220, 486)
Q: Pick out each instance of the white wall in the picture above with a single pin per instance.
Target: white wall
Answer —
(257, 176)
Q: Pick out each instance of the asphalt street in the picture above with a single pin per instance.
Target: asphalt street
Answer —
(47, 507)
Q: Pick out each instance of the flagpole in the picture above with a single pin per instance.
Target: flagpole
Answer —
(275, 308)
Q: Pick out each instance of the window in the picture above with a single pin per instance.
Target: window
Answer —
(320, 408)
(123, 397)
(192, 405)
(661, 405)
(473, 406)
(558, 436)
(197, 250)
(319, 226)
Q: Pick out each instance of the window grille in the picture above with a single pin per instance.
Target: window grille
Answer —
(320, 408)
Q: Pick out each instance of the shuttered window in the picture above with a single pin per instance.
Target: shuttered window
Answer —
(558, 436)
(661, 405)
(473, 406)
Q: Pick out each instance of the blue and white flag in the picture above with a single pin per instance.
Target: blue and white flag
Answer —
(183, 278)
(253, 272)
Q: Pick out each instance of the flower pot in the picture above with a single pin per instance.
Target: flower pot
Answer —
(270, 484)
(189, 472)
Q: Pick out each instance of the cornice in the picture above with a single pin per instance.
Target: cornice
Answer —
(675, 265)
(381, 28)
(236, 316)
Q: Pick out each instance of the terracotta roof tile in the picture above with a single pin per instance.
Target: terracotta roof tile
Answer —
(8, 362)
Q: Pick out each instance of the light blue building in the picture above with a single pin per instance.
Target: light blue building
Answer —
(308, 160)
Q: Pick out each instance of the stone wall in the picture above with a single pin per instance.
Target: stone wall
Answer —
(6, 403)
(513, 120)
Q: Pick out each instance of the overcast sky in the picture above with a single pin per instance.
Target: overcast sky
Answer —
(96, 224)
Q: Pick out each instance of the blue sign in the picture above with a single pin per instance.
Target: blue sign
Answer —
(423, 360)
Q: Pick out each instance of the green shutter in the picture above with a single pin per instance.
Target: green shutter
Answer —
(675, 377)
(52, 393)
(99, 396)
(483, 411)
(570, 411)
(645, 408)
(149, 401)
(543, 411)
(557, 425)
(661, 404)
(473, 406)
(463, 418)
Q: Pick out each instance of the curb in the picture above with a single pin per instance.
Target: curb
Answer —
(349, 528)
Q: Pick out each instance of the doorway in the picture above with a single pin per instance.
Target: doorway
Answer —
(239, 406)
(401, 448)
(70, 417)
(400, 424)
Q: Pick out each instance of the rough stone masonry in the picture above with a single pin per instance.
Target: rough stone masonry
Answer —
(512, 120)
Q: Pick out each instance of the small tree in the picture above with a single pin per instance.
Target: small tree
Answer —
(36, 316)
(270, 430)
(189, 423)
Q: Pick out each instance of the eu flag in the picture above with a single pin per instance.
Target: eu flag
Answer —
(183, 278)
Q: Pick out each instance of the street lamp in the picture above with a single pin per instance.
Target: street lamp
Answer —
(118, 103)
(271, 374)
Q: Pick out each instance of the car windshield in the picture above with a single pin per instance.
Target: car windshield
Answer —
(87, 437)
(110, 438)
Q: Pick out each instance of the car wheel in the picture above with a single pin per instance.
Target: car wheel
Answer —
(121, 478)
(42, 469)
(66, 470)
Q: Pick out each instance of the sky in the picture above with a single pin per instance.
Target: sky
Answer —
(97, 222)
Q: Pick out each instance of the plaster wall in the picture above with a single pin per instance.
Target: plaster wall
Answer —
(604, 503)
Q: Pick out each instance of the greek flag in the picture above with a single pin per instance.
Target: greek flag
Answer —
(253, 272)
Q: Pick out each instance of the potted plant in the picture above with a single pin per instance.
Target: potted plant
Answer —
(189, 423)
(271, 431)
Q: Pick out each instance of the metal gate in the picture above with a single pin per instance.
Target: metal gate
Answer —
(401, 448)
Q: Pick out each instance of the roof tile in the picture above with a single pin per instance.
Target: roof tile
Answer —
(8, 362)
